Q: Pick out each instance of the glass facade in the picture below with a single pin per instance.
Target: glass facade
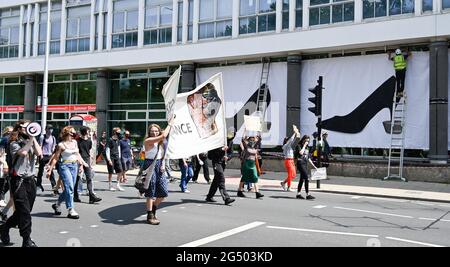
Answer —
(12, 91)
(55, 28)
(125, 23)
(257, 16)
(445, 4)
(180, 22)
(285, 14)
(382, 8)
(9, 32)
(298, 13)
(215, 18)
(427, 5)
(78, 28)
(158, 22)
(331, 11)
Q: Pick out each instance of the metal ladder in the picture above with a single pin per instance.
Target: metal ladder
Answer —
(261, 103)
(397, 146)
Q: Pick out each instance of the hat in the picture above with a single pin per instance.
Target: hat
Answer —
(398, 51)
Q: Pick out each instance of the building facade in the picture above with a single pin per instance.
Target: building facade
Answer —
(111, 58)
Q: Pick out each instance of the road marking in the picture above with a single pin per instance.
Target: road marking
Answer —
(216, 237)
(120, 220)
(164, 211)
(94, 226)
(356, 197)
(182, 207)
(319, 207)
(414, 242)
(199, 205)
(321, 232)
(375, 212)
(63, 232)
(427, 219)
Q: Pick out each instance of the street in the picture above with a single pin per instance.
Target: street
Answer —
(277, 220)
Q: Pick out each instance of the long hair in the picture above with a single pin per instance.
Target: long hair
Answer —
(159, 129)
(65, 133)
(302, 141)
(16, 130)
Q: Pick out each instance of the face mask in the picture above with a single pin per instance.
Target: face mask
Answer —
(73, 135)
(119, 135)
(252, 143)
(127, 135)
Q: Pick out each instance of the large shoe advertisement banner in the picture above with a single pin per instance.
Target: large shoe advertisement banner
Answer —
(199, 124)
(241, 84)
(358, 99)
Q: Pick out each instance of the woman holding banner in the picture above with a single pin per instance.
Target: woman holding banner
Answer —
(249, 171)
(156, 181)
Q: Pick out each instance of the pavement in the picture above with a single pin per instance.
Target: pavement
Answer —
(421, 191)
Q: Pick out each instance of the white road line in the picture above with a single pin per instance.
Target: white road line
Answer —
(63, 232)
(94, 226)
(182, 207)
(321, 232)
(427, 219)
(164, 211)
(216, 237)
(120, 220)
(414, 242)
(319, 207)
(356, 197)
(375, 212)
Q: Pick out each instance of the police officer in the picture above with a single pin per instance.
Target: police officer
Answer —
(24, 149)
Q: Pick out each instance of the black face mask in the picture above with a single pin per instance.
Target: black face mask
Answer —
(119, 135)
(24, 136)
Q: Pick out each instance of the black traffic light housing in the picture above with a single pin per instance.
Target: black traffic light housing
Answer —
(317, 99)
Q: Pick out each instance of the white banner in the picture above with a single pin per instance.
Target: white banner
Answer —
(252, 123)
(351, 88)
(449, 95)
(241, 84)
(199, 125)
(170, 91)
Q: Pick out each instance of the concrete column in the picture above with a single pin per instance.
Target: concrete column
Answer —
(305, 24)
(36, 29)
(187, 77)
(235, 20)
(418, 7)
(22, 33)
(185, 21)
(102, 98)
(174, 22)
(62, 48)
(196, 19)
(30, 97)
(292, 18)
(359, 11)
(110, 24)
(100, 25)
(438, 102)
(279, 16)
(92, 28)
(293, 92)
(141, 24)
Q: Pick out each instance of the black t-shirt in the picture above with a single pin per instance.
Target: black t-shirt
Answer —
(113, 145)
(85, 148)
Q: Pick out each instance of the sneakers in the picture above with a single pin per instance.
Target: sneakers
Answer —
(2, 203)
(112, 189)
(289, 189)
(151, 219)
(3, 217)
(28, 243)
(228, 201)
(57, 209)
(4, 235)
(186, 191)
(240, 194)
(210, 199)
(259, 195)
(120, 188)
(309, 197)
(73, 214)
(77, 199)
(283, 185)
(299, 196)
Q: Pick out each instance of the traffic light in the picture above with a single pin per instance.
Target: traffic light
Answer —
(317, 99)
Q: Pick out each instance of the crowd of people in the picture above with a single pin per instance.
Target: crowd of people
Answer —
(71, 155)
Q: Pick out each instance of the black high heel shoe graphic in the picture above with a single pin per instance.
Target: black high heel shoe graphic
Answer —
(358, 119)
(247, 109)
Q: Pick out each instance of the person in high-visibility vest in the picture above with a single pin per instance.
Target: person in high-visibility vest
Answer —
(400, 63)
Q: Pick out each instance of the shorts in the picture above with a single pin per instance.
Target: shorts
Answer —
(158, 184)
(116, 166)
(126, 164)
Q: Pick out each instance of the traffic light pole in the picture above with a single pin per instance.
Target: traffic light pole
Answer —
(319, 127)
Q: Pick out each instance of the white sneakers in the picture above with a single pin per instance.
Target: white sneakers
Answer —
(2, 203)
(73, 214)
(283, 185)
(120, 188)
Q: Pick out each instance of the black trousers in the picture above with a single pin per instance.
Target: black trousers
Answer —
(89, 176)
(44, 161)
(302, 167)
(400, 76)
(218, 181)
(24, 195)
(198, 167)
(4, 187)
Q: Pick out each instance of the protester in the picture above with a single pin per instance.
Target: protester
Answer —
(201, 161)
(113, 159)
(48, 144)
(289, 145)
(24, 149)
(302, 166)
(249, 171)
(187, 173)
(126, 155)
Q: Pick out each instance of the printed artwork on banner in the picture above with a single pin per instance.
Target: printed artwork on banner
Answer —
(169, 92)
(199, 123)
(357, 100)
(241, 88)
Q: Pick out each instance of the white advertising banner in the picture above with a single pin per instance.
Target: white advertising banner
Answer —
(170, 91)
(357, 100)
(449, 95)
(241, 84)
(199, 124)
